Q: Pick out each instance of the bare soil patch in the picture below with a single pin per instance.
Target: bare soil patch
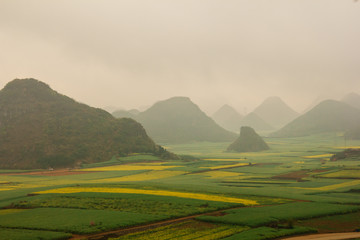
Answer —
(332, 224)
(297, 175)
(327, 236)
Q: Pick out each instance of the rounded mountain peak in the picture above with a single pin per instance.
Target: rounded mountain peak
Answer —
(178, 99)
(273, 100)
(26, 83)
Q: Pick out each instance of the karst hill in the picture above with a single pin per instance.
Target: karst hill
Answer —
(40, 128)
(248, 141)
(179, 120)
(275, 112)
(228, 118)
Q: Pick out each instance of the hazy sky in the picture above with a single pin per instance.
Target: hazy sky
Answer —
(132, 53)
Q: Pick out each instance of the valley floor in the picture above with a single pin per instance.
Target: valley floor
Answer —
(292, 189)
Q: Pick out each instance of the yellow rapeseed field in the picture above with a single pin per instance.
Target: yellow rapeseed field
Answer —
(319, 156)
(226, 159)
(7, 211)
(200, 196)
(145, 176)
(220, 174)
(344, 147)
(228, 166)
(129, 167)
(336, 186)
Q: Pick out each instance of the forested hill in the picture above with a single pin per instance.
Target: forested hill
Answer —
(40, 128)
(179, 120)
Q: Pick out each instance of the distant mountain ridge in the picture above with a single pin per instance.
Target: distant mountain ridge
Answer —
(179, 120)
(123, 114)
(327, 116)
(228, 118)
(41, 128)
(275, 112)
(353, 99)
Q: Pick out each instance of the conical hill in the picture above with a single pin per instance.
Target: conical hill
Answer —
(179, 120)
(228, 118)
(275, 112)
(248, 141)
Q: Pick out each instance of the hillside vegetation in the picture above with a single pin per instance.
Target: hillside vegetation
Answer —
(40, 128)
(248, 141)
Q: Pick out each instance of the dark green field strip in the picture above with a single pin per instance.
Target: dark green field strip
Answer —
(258, 216)
(147, 204)
(74, 220)
(25, 234)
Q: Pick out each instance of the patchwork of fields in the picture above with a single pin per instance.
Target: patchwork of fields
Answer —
(220, 195)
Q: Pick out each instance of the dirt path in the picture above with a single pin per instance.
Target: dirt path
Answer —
(119, 232)
(327, 236)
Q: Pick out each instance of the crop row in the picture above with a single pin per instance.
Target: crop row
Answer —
(21, 234)
(157, 206)
(264, 215)
(185, 231)
(74, 220)
(263, 233)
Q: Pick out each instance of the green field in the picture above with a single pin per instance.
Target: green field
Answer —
(278, 192)
(260, 216)
(186, 230)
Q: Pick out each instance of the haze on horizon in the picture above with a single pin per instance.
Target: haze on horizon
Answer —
(132, 53)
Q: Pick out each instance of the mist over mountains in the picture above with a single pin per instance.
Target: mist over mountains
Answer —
(228, 118)
(353, 99)
(327, 116)
(275, 112)
(42, 128)
(178, 120)
(274, 109)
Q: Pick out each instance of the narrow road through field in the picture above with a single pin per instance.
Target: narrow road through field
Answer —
(327, 236)
(123, 231)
